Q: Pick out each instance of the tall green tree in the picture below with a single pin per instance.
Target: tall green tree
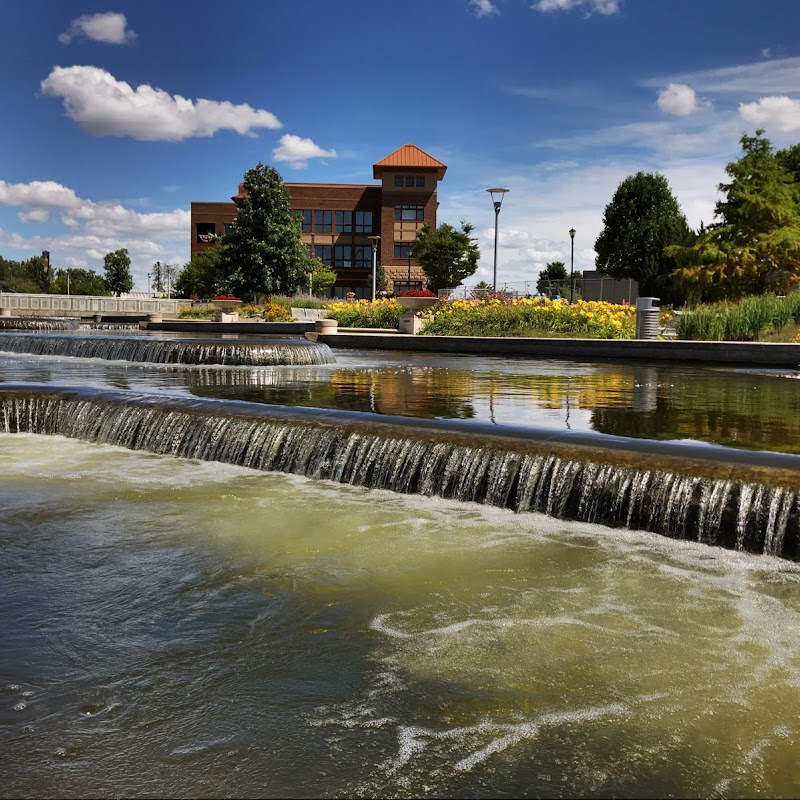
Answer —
(642, 219)
(263, 254)
(754, 244)
(317, 276)
(80, 281)
(447, 255)
(117, 266)
(201, 276)
(28, 276)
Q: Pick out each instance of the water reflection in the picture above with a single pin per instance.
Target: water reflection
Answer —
(757, 409)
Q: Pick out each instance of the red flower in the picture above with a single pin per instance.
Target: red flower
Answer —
(417, 293)
(227, 297)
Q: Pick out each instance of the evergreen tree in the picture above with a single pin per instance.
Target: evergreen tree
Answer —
(263, 254)
(642, 219)
(117, 266)
(447, 255)
(754, 246)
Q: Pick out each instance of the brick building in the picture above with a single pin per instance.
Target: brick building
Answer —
(340, 219)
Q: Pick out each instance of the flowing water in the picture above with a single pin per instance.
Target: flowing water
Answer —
(180, 627)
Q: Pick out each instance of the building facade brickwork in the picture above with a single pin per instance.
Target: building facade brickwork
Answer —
(341, 221)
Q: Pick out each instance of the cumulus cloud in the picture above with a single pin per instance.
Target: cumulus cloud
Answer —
(37, 198)
(297, 151)
(681, 100)
(104, 106)
(606, 7)
(482, 8)
(111, 28)
(773, 113)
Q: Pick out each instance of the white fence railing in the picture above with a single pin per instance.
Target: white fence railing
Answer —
(61, 305)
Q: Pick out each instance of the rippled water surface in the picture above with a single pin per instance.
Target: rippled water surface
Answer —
(173, 628)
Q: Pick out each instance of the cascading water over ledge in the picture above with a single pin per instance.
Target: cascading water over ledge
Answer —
(299, 352)
(38, 324)
(736, 499)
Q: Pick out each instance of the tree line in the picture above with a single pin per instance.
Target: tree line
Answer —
(752, 247)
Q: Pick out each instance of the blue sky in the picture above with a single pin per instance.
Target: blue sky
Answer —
(118, 115)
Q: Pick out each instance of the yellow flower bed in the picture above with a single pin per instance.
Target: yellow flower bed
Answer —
(532, 316)
(382, 313)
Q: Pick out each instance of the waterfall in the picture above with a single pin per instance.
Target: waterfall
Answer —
(744, 501)
(38, 324)
(297, 352)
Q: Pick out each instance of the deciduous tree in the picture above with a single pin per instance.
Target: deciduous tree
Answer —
(201, 275)
(642, 219)
(81, 281)
(117, 266)
(447, 255)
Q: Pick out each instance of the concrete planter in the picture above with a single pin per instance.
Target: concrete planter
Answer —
(227, 305)
(417, 303)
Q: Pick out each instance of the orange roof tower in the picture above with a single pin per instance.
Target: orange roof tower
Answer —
(409, 156)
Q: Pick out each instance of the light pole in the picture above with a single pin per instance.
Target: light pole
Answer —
(148, 284)
(68, 281)
(571, 263)
(497, 203)
(375, 240)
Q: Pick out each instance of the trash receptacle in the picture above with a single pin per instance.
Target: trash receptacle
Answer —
(647, 314)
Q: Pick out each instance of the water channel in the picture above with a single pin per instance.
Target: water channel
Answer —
(180, 627)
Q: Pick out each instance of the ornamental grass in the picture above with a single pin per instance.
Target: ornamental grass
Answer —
(381, 313)
(531, 317)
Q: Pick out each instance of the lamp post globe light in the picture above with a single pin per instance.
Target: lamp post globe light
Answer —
(497, 202)
(375, 240)
(571, 263)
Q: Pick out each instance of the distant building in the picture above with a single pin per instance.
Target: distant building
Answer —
(596, 286)
(338, 220)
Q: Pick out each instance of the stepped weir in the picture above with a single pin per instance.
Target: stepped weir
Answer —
(299, 352)
(735, 499)
(38, 324)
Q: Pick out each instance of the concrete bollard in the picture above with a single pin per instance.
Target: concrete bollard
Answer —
(5, 312)
(326, 326)
(154, 318)
(98, 317)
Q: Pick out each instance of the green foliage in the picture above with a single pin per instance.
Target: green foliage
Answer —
(555, 279)
(481, 288)
(27, 276)
(117, 266)
(263, 253)
(755, 245)
(197, 312)
(753, 318)
(201, 276)
(322, 276)
(381, 282)
(299, 301)
(642, 219)
(447, 255)
(80, 282)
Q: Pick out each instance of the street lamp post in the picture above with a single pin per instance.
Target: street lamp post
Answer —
(375, 240)
(571, 264)
(148, 284)
(497, 203)
(68, 271)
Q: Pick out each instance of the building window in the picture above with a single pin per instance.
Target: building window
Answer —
(363, 222)
(305, 216)
(398, 180)
(343, 256)
(323, 253)
(409, 180)
(323, 221)
(412, 213)
(363, 257)
(228, 228)
(344, 221)
(421, 180)
(206, 232)
(402, 249)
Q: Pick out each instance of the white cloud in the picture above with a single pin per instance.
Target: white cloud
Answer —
(590, 6)
(297, 151)
(681, 100)
(104, 106)
(111, 28)
(482, 8)
(34, 215)
(773, 113)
